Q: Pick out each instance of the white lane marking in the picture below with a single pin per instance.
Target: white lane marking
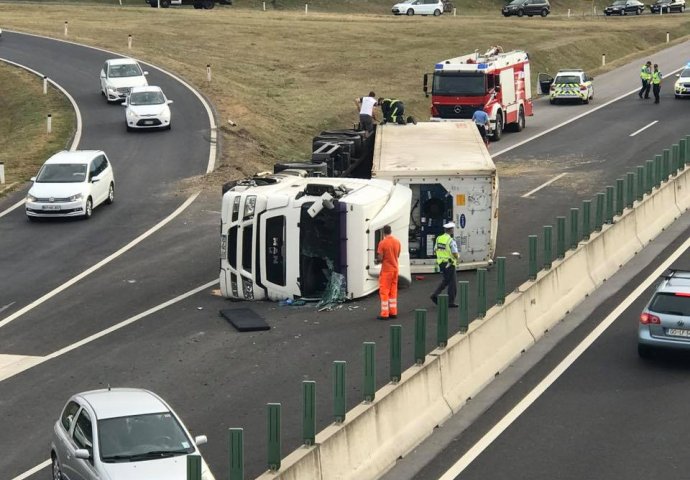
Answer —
(77, 112)
(36, 469)
(576, 117)
(13, 364)
(100, 264)
(643, 128)
(533, 395)
(8, 186)
(11, 371)
(546, 184)
(211, 119)
(13, 207)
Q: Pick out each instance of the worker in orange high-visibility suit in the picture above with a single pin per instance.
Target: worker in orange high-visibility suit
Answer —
(387, 254)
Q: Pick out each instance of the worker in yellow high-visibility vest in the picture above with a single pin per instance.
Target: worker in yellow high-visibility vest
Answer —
(656, 83)
(447, 257)
(645, 77)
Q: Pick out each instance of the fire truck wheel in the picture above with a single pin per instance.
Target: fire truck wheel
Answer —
(520, 13)
(410, 12)
(521, 120)
(498, 130)
(437, 12)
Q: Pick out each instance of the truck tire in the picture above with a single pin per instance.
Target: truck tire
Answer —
(498, 130)
(520, 124)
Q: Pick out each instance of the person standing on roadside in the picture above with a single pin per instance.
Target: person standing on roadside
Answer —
(645, 77)
(366, 111)
(656, 83)
(447, 257)
(387, 253)
(481, 120)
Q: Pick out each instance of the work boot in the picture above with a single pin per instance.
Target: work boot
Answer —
(434, 299)
(382, 318)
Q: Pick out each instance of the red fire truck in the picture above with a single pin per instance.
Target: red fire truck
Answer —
(497, 82)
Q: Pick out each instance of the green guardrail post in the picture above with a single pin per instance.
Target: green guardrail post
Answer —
(274, 436)
(308, 412)
(339, 391)
(420, 336)
(481, 292)
(501, 278)
(532, 257)
(665, 164)
(193, 467)
(682, 153)
(620, 197)
(609, 204)
(464, 305)
(639, 191)
(649, 176)
(560, 237)
(629, 189)
(548, 246)
(236, 453)
(687, 150)
(675, 156)
(442, 321)
(599, 214)
(574, 238)
(369, 381)
(586, 219)
(396, 353)
(658, 169)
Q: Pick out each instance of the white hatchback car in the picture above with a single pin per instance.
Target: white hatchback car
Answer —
(119, 76)
(71, 184)
(147, 107)
(418, 7)
(122, 434)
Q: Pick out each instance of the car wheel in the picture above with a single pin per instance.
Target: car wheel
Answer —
(111, 194)
(437, 12)
(623, 12)
(169, 126)
(57, 474)
(209, 4)
(585, 100)
(682, 8)
(410, 11)
(197, 5)
(544, 13)
(520, 13)
(88, 209)
(498, 130)
(165, 3)
(644, 351)
(30, 218)
(638, 11)
(129, 129)
(529, 15)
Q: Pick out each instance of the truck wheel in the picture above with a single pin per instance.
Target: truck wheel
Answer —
(520, 13)
(499, 128)
(521, 120)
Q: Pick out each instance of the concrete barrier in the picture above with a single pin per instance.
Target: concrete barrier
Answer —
(375, 435)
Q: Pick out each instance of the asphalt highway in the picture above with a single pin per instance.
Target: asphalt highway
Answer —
(115, 327)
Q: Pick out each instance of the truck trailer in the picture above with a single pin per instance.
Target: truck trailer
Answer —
(287, 235)
(452, 177)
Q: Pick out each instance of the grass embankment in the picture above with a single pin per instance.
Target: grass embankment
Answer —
(282, 76)
(24, 141)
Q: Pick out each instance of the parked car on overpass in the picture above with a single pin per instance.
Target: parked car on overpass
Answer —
(419, 7)
(527, 7)
(198, 4)
(624, 7)
(667, 6)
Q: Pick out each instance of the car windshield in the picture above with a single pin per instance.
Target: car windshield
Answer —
(685, 73)
(142, 437)
(670, 304)
(459, 84)
(124, 70)
(146, 98)
(516, 2)
(561, 79)
(619, 3)
(62, 173)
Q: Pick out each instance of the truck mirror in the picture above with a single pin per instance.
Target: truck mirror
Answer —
(426, 82)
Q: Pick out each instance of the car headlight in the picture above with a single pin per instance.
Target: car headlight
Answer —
(30, 198)
(76, 197)
(131, 113)
(248, 288)
(111, 89)
(249, 206)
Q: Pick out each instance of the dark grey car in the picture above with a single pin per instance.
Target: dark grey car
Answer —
(624, 7)
(527, 7)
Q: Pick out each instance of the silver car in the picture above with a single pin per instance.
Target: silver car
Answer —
(665, 321)
(121, 434)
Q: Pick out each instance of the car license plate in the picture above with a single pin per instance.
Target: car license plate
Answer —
(148, 122)
(678, 332)
(51, 207)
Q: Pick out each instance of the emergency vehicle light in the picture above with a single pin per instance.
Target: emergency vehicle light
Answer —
(439, 66)
(482, 65)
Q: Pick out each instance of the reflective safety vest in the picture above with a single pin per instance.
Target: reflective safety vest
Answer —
(656, 78)
(442, 249)
(389, 107)
(645, 73)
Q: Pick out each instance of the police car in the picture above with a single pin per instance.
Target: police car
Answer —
(571, 84)
(682, 86)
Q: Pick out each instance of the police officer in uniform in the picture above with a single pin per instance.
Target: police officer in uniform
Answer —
(656, 83)
(645, 77)
(447, 257)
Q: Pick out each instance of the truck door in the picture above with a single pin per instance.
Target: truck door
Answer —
(507, 86)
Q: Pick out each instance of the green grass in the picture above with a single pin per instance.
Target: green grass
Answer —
(282, 76)
(24, 142)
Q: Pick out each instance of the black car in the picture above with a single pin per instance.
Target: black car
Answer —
(668, 6)
(527, 7)
(624, 7)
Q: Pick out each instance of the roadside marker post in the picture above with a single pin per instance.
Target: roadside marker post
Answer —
(668, 36)
(308, 412)
(236, 447)
(455, 11)
(420, 336)
(49, 123)
(129, 41)
(481, 292)
(586, 219)
(306, 8)
(193, 467)
(395, 353)
(560, 238)
(45, 85)
(532, 257)
(264, 6)
(574, 239)
(640, 182)
(66, 28)
(442, 321)
(339, 392)
(501, 276)
(208, 72)
(464, 305)
(603, 59)
(599, 213)
(273, 450)
(2, 173)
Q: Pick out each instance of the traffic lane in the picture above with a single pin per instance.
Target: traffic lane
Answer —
(588, 423)
(147, 166)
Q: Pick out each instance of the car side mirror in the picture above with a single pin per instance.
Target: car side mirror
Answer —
(33, 179)
(678, 75)
(169, 102)
(82, 453)
(95, 180)
(146, 73)
(200, 440)
(124, 104)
